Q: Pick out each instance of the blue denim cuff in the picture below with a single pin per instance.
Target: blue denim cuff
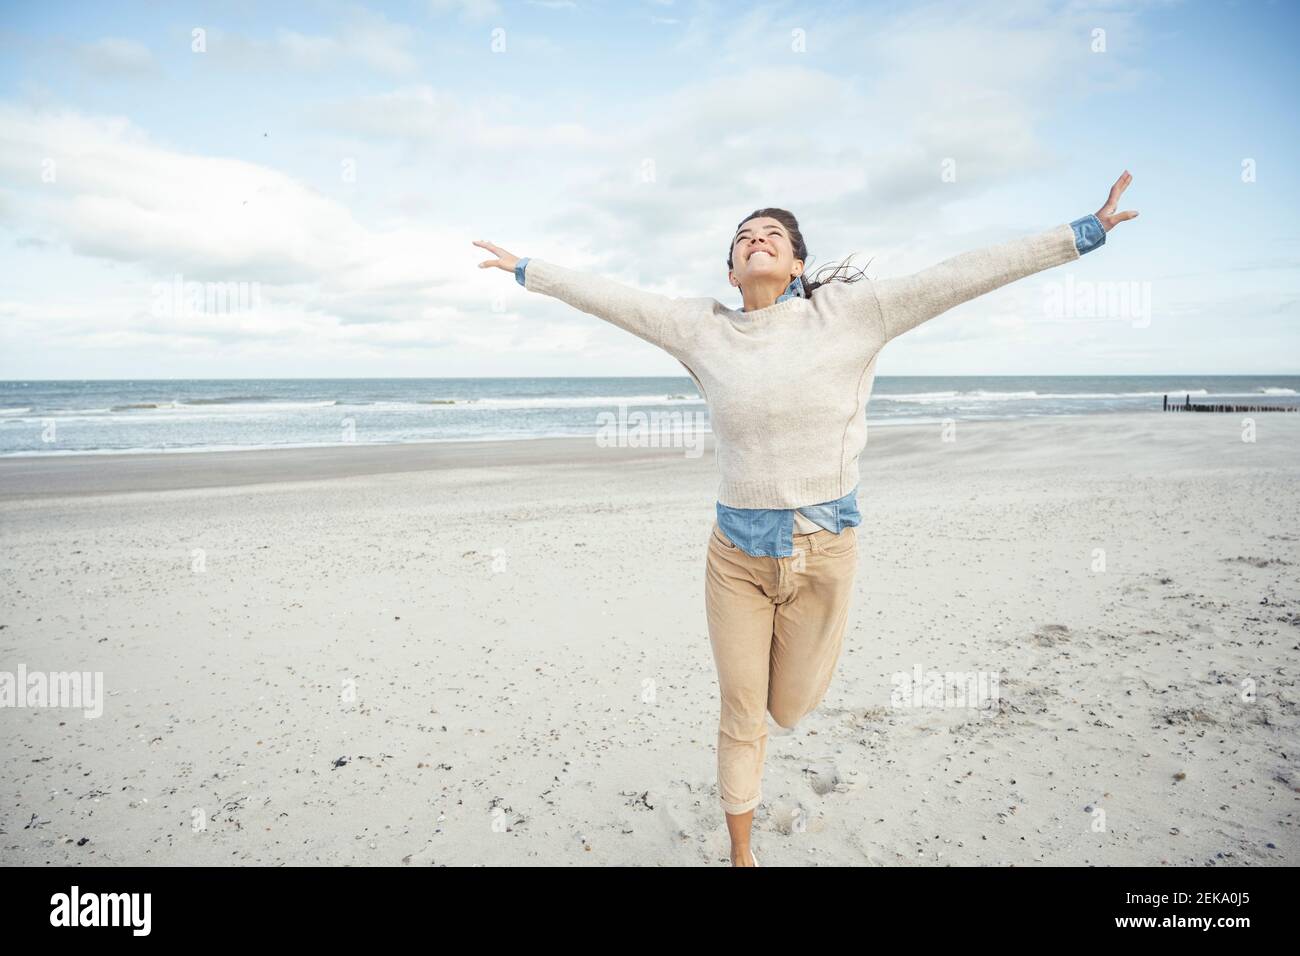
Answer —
(520, 266)
(1088, 233)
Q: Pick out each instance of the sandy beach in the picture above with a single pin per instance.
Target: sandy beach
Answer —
(496, 654)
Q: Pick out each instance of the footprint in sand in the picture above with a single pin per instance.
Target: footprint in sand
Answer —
(420, 858)
(822, 778)
(676, 830)
(1048, 635)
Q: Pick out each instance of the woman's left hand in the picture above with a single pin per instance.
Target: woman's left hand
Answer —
(1107, 214)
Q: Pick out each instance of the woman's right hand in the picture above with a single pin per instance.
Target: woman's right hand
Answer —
(503, 260)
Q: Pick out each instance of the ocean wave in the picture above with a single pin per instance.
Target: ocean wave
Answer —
(249, 405)
(987, 396)
(254, 403)
(270, 446)
(227, 400)
(505, 404)
(203, 407)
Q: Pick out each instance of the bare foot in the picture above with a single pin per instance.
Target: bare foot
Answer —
(742, 856)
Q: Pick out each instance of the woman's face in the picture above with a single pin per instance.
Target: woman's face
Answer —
(762, 250)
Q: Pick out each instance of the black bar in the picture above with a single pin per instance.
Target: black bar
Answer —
(335, 906)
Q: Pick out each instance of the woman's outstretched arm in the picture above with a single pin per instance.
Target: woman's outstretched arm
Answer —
(661, 320)
(908, 301)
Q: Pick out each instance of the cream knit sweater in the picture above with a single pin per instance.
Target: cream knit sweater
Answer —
(787, 386)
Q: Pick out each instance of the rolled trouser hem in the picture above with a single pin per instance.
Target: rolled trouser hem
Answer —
(741, 807)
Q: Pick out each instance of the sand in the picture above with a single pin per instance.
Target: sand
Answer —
(496, 654)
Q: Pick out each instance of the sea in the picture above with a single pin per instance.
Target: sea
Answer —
(197, 415)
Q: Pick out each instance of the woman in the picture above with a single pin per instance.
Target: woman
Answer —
(786, 379)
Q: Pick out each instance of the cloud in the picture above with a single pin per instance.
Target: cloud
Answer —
(363, 38)
(449, 121)
(118, 197)
(850, 133)
(473, 10)
(117, 57)
(642, 181)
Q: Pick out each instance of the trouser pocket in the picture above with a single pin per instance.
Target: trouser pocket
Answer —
(722, 540)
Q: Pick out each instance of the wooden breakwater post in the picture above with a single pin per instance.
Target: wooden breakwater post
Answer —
(1187, 406)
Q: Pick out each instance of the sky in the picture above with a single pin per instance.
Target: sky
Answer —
(333, 162)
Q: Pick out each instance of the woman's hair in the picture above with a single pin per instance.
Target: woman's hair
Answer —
(837, 273)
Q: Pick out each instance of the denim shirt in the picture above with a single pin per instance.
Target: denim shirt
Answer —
(769, 532)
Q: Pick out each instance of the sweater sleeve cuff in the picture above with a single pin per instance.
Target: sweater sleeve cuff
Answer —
(520, 266)
(1088, 233)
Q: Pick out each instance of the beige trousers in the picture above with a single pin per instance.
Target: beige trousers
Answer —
(776, 626)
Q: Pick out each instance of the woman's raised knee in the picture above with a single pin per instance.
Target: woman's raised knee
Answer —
(786, 716)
